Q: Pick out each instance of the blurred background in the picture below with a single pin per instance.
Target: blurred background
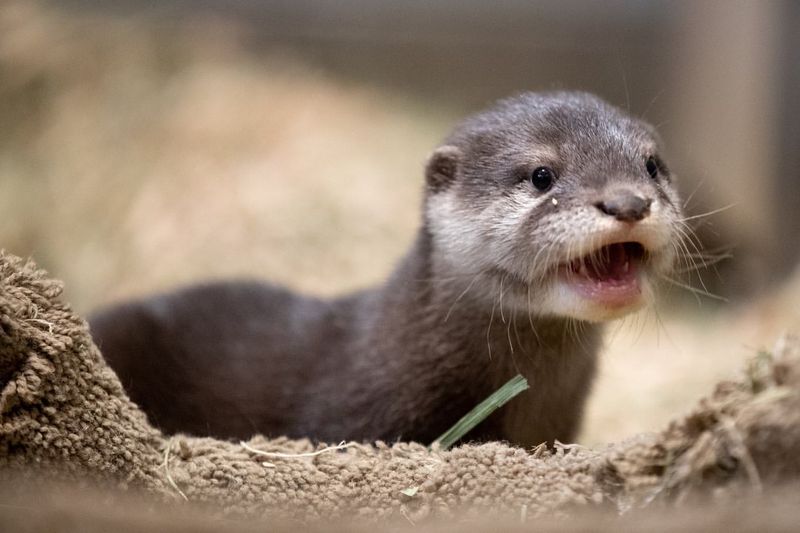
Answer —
(149, 144)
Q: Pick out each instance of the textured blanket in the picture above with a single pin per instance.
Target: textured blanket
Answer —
(64, 416)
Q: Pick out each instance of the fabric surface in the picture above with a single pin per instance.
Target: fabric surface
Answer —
(65, 416)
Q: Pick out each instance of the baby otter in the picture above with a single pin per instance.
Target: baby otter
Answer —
(543, 216)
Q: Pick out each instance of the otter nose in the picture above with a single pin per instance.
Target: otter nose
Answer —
(625, 206)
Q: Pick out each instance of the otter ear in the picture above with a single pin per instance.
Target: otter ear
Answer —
(442, 167)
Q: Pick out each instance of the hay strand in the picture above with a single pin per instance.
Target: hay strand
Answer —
(165, 464)
(278, 455)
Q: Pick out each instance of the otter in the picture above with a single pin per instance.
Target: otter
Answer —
(543, 217)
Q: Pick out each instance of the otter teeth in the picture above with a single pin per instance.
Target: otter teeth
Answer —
(611, 262)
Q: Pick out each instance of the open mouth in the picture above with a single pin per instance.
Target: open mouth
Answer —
(611, 275)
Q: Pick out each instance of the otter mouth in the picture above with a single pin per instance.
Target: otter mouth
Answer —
(611, 275)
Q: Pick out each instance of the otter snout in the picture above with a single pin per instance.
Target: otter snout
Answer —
(625, 206)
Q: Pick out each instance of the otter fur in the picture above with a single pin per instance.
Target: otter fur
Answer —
(543, 217)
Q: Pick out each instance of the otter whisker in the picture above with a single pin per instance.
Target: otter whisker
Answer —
(535, 263)
(710, 256)
(639, 323)
(530, 317)
(709, 213)
(516, 334)
(682, 258)
(706, 262)
(652, 102)
(489, 330)
(662, 328)
(463, 293)
(580, 335)
(683, 250)
(697, 188)
(502, 314)
(511, 345)
(680, 229)
(694, 289)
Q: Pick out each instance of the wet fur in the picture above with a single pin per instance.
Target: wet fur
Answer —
(469, 306)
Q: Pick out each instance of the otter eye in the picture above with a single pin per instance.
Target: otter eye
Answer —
(652, 166)
(542, 178)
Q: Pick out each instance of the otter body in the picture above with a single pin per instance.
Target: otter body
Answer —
(543, 217)
(235, 359)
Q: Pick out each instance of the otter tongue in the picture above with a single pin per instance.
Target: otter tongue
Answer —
(610, 263)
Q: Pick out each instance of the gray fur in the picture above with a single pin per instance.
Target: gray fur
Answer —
(470, 305)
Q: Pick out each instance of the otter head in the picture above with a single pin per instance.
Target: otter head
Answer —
(556, 204)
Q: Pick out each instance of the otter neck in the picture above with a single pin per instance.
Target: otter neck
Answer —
(457, 299)
(473, 347)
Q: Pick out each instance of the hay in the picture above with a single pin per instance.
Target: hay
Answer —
(169, 475)
(64, 416)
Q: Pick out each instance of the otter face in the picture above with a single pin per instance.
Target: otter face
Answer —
(554, 204)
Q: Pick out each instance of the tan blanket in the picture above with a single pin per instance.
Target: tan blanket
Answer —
(64, 414)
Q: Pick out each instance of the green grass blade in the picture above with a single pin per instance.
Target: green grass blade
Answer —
(488, 406)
